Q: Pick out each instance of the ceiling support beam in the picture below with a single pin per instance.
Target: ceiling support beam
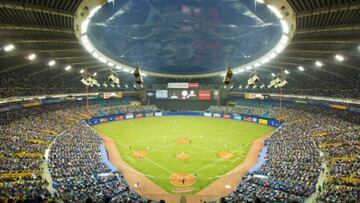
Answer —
(33, 28)
(328, 28)
(45, 41)
(331, 9)
(353, 41)
(34, 8)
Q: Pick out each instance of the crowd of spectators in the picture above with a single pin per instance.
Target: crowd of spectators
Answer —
(19, 84)
(78, 172)
(329, 87)
(309, 137)
(26, 134)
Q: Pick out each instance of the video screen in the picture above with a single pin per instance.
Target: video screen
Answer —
(161, 94)
(183, 94)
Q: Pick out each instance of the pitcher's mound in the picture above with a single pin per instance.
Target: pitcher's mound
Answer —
(183, 140)
(182, 179)
(140, 153)
(225, 154)
(183, 155)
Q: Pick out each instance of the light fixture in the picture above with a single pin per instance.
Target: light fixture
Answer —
(31, 57)
(52, 63)
(9, 47)
(248, 68)
(286, 72)
(273, 74)
(67, 68)
(240, 86)
(111, 64)
(319, 63)
(82, 71)
(95, 74)
(301, 68)
(339, 57)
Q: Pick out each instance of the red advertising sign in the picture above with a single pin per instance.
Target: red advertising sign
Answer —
(194, 85)
(227, 116)
(204, 94)
(139, 115)
(119, 118)
(246, 118)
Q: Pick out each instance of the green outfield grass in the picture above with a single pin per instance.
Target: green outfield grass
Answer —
(208, 136)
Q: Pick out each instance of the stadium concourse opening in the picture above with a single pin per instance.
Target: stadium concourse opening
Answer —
(140, 101)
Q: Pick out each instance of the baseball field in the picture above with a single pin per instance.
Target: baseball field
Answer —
(183, 154)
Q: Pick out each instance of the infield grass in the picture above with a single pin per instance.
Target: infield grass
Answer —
(208, 136)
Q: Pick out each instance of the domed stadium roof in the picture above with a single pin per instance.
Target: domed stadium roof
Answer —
(184, 37)
(323, 29)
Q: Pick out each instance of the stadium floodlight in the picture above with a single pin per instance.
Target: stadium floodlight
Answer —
(255, 86)
(9, 47)
(111, 64)
(105, 85)
(275, 11)
(247, 86)
(102, 59)
(285, 26)
(95, 74)
(118, 67)
(262, 86)
(286, 72)
(126, 86)
(67, 68)
(240, 86)
(273, 74)
(272, 55)
(81, 71)
(339, 57)
(301, 68)
(248, 67)
(260, 1)
(319, 63)
(52, 63)
(31, 57)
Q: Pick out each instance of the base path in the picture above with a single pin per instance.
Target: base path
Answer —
(214, 191)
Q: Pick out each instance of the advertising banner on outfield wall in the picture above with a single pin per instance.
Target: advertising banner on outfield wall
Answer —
(118, 118)
(226, 116)
(103, 120)
(129, 116)
(254, 119)
(149, 114)
(263, 121)
(217, 115)
(237, 117)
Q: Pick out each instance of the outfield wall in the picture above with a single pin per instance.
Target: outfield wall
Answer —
(126, 116)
